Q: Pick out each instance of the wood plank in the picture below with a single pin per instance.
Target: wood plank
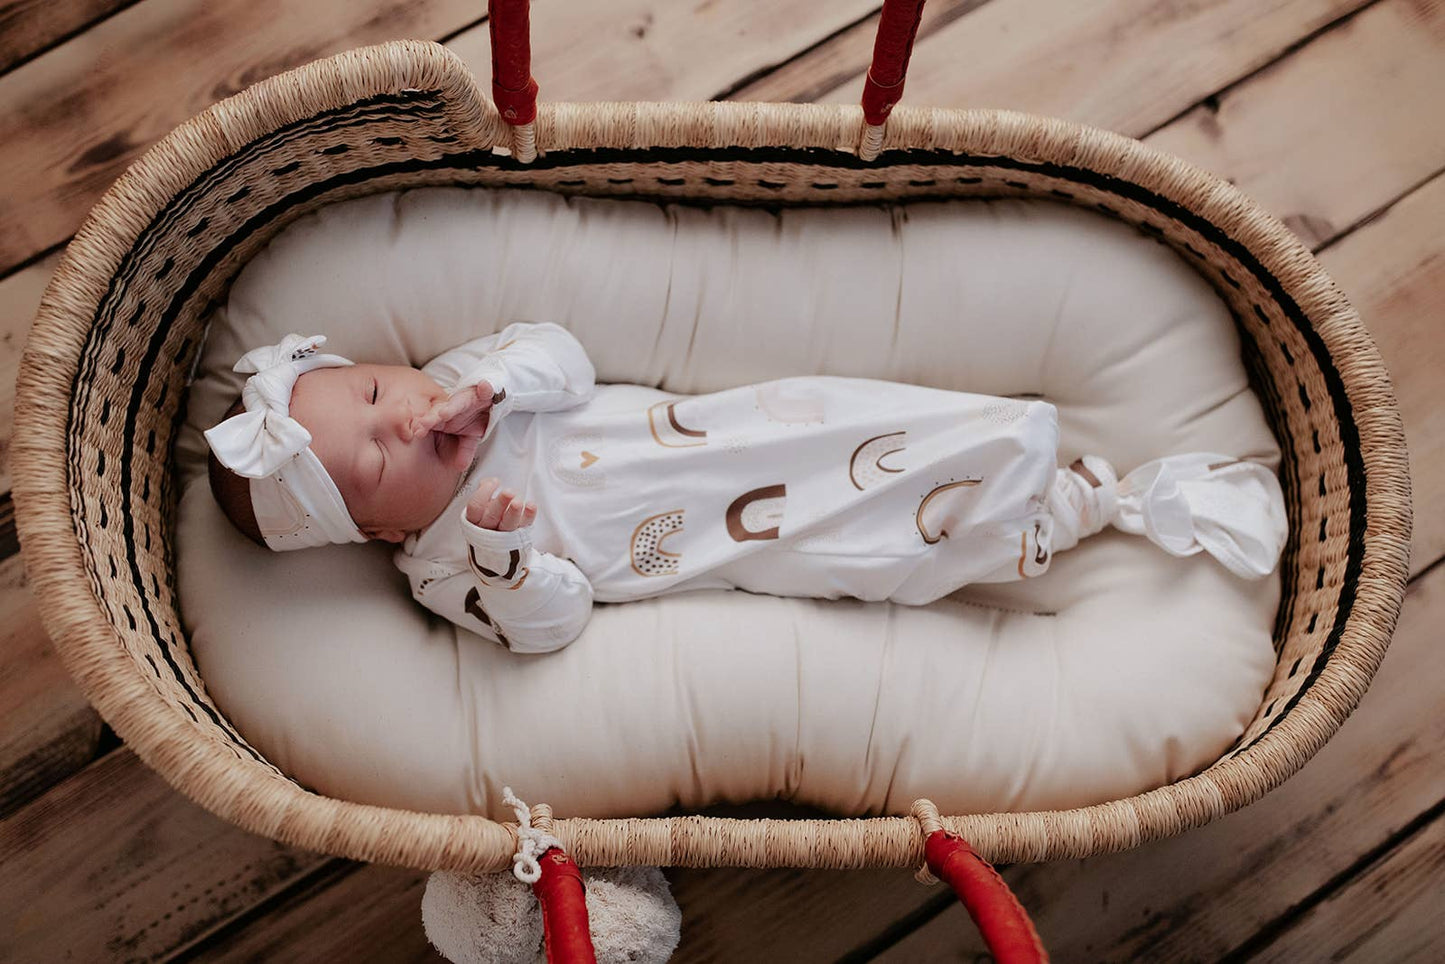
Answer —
(1393, 270)
(28, 27)
(357, 913)
(1378, 76)
(79, 114)
(1128, 65)
(114, 865)
(1199, 896)
(645, 50)
(89, 108)
(1376, 73)
(374, 914)
(47, 729)
(1391, 912)
(20, 296)
(729, 914)
(835, 69)
(9, 536)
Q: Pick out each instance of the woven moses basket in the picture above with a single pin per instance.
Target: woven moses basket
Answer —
(105, 372)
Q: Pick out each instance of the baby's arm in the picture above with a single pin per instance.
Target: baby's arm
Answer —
(540, 367)
(529, 601)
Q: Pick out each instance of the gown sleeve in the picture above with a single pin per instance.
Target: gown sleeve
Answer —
(535, 368)
(529, 601)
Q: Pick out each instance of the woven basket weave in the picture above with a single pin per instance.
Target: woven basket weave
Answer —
(105, 370)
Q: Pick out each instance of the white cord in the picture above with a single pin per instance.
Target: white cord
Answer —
(531, 842)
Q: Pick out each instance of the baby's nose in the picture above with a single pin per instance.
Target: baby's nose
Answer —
(403, 419)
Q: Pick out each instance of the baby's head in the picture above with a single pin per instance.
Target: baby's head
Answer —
(319, 450)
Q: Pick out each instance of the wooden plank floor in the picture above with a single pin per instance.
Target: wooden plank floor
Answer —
(1326, 111)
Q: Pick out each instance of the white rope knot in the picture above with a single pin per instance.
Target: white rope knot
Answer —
(1201, 502)
(532, 843)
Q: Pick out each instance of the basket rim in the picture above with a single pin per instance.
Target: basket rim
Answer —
(94, 653)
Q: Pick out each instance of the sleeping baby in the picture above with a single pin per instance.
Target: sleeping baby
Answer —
(519, 491)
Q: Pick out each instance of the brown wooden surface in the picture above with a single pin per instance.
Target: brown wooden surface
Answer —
(1389, 912)
(47, 729)
(112, 865)
(30, 27)
(351, 912)
(1324, 110)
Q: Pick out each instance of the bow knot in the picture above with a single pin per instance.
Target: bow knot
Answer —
(265, 437)
(1230, 508)
(302, 506)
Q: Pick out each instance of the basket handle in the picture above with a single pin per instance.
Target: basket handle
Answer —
(515, 92)
(1000, 918)
(513, 89)
(997, 913)
(563, 897)
(883, 87)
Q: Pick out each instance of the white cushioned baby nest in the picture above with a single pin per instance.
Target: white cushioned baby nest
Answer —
(1120, 669)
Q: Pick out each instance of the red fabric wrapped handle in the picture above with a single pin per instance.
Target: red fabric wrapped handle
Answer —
(1000, 918)
(513, 88)
(883, 88)
(564, 910)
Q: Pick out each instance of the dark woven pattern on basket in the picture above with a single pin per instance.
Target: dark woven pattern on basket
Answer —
(121, 327)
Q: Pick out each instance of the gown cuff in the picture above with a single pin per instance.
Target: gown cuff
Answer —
(497, 559)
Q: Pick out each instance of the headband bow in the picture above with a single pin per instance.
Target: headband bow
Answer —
(297, 505)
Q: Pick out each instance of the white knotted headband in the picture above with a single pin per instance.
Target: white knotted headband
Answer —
(297, 504)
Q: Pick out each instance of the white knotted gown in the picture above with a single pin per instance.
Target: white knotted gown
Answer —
(815, 486)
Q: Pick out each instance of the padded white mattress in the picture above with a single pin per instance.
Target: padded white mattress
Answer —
(1121, 669)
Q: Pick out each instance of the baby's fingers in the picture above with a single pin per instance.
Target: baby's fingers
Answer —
(495, 511)
(439, 412)
(465, 416)
(459, 407)
(479, 504)
(516, 511)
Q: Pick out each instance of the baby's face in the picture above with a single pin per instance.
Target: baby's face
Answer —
(360, 420)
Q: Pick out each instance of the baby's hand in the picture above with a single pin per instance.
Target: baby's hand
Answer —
(463, 413)
(501, 510)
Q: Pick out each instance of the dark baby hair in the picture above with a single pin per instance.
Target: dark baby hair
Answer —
(233, 492)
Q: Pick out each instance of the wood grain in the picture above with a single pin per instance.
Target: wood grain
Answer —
(1337, 131)
(1390, 912)
(733, 915)
(86, 110)
(356, 913)
(837, 67)
(113, 865)
(28, 27)
(1199, 896)
(1127, 65)
(19, 297)
(1393, 270)
(9, 536)
(78, 115)
(47, 729)
(645, 50)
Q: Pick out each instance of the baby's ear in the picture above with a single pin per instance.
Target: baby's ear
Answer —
(385, 535)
